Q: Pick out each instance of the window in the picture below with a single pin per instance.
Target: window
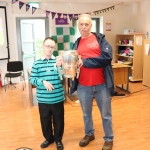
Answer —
(34, 4)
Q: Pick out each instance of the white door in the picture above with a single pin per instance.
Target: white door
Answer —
(28, 44)
(32, 36)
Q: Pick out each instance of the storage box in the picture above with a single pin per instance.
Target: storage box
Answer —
(128, 31)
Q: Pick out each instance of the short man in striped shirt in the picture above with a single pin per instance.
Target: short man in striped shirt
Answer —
(50, 95)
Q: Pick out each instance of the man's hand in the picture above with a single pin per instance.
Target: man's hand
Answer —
(48, 86)
(59, 61)
(79, 63)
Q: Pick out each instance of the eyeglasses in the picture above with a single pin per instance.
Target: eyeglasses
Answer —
(49, 47)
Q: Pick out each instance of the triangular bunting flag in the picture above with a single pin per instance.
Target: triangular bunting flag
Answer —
(89, 13)
(70, 16)
(112, 7)
(33, 9)
(76, 16)
(65, 16)
(53, 15)
(27, 7)
(59, 15)
(97, 12)
(14, 1)
(79, 15)
(94, 12)
(20, 4)
(47, 13)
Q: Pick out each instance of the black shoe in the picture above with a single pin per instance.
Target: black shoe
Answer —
(46, 143)
(59, 145)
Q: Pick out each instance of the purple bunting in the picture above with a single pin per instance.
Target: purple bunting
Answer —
(53, 15)
(65, 16)
(20, 4)
(27, 7)
(59, 15)
(70, 16)
(47, 13)
(14, 1)
(76, 16)
(33, 9)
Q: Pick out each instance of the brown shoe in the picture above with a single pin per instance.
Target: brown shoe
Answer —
(86, 140)
(108, 145)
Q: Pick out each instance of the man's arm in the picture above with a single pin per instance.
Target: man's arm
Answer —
(98, 62)
(101, 61)
(34, 77)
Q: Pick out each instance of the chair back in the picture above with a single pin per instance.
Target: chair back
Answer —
(15, 66)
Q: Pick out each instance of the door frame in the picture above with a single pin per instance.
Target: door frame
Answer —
(99, 20)
(6, 33)
(18, 19)
(97, 24)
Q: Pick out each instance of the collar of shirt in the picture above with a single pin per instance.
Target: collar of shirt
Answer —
(52, 57)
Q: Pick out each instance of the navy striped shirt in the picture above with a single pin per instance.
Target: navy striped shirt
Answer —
(44, 69)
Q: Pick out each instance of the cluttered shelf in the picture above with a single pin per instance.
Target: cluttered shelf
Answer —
(129, 51)
(124, 56)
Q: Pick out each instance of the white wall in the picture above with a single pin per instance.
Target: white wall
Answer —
(134, 16)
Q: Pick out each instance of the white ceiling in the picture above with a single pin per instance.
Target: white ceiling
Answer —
(100, 2)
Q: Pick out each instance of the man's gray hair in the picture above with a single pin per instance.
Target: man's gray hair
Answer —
(85, 15)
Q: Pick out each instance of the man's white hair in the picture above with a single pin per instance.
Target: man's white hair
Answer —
(85, 15)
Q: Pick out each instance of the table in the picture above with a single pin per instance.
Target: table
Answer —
(121, 76)
(121, 79)
(32, 90)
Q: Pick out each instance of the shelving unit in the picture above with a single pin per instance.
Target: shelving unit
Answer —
(135, 59)
(146, 65)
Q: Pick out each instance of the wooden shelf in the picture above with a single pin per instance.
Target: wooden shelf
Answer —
(127, 63)
(137, 58)
(125, 45)
(124, 56)
(132, 80)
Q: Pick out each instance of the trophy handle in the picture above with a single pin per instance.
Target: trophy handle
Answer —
(78, 69)
(59, 72)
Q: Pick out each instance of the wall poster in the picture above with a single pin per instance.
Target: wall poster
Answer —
(108, 26)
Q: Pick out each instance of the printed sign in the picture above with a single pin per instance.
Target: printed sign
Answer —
(61, 21)
(108, 26)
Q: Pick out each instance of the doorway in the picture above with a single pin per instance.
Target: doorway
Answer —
(30, 33)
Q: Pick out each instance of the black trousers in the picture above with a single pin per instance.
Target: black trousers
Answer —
(52, 120)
